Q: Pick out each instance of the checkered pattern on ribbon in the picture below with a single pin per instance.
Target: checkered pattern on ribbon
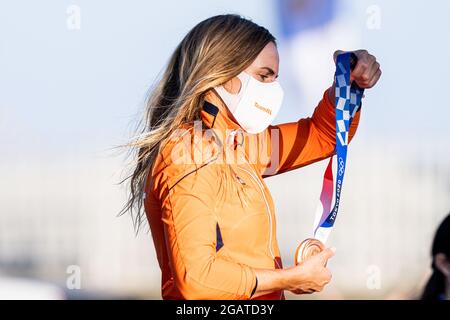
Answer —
(348, 99)
(348, 102)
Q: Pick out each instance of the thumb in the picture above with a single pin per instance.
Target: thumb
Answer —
(326, 254)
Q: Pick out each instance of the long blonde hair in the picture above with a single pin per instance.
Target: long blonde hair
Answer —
(213, 52)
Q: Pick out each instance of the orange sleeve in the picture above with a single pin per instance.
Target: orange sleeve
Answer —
(188, 214)
(296, 144)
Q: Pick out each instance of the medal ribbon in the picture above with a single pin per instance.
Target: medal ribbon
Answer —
(348, 102)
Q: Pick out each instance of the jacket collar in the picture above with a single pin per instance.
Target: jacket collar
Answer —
(221, 118)
(215, 115)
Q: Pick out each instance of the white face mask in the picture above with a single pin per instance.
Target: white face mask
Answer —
(256, 104)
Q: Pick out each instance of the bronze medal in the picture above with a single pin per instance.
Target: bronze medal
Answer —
(308, 248)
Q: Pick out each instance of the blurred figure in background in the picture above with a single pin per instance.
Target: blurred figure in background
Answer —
(438, 286)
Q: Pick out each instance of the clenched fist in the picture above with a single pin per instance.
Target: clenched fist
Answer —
(367, 71)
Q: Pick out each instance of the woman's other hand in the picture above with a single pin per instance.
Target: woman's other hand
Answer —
(310, 275)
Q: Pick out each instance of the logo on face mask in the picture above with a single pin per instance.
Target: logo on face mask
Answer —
(260, 107)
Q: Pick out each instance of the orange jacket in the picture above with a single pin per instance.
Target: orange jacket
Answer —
(213, 219)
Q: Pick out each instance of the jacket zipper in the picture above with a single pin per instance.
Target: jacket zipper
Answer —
(269, 212)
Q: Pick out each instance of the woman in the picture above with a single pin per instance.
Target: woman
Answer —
(203, 152)
(438, 286)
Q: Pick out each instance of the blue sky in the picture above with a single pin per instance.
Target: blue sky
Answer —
(76, 91)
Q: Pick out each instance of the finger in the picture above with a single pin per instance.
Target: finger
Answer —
(364, 62)
(326, 254)
(374, 79)
(371, 69)
(360, 69)
(328, 275)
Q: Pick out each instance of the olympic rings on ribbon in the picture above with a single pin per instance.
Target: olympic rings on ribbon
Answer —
(341, 166)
